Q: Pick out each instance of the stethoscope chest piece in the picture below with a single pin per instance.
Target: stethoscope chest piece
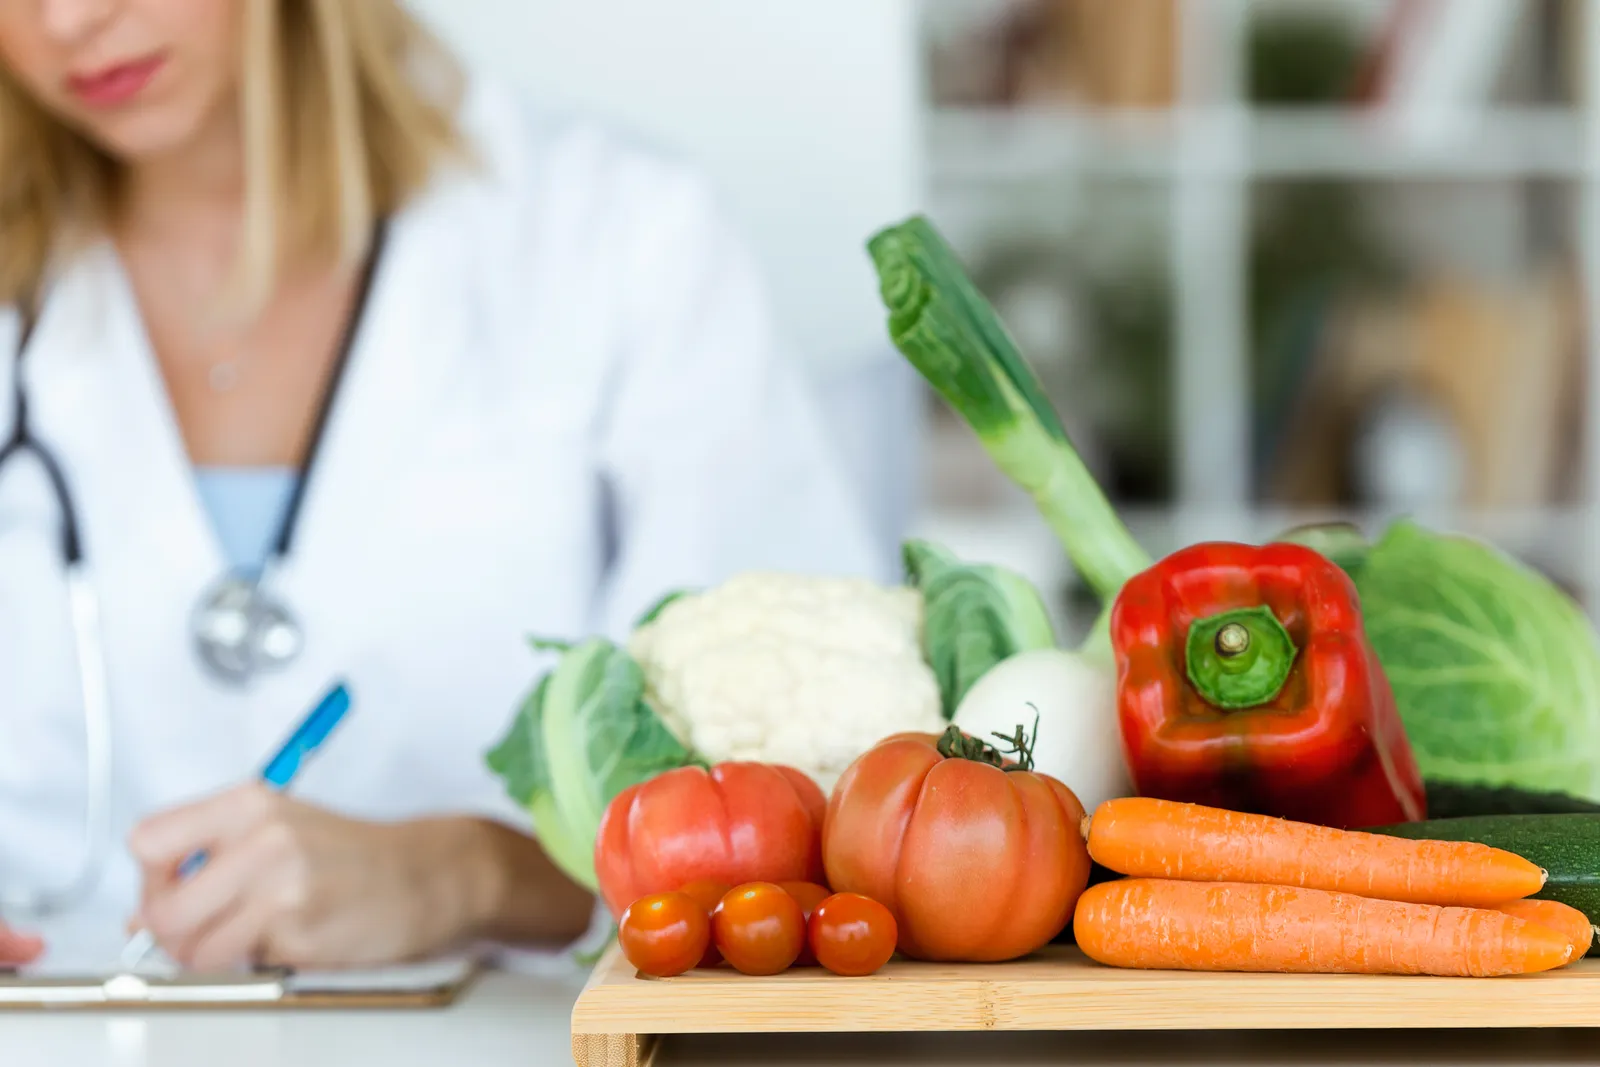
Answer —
(240, 630)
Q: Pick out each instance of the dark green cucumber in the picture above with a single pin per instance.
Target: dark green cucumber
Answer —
(1455, 800)
(1097, 874)
(1566, 846)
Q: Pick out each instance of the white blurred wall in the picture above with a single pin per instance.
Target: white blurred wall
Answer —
(806, 115)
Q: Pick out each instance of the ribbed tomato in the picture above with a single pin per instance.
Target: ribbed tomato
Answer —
(736, 823)
(975, 862)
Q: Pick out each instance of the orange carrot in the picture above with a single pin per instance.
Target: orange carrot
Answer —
(1147, 838)
(1243, 926)
(1564, 919)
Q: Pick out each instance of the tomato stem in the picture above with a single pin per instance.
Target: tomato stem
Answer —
(953, 744)
(1021, 744)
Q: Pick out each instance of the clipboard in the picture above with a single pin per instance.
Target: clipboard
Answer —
(433, 984)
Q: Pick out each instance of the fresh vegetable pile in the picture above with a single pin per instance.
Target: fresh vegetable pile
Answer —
(1494, 671)
(948, 848)
(805, 671)
(803, 771)
(941, 847)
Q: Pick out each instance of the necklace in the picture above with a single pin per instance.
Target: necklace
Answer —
(223, 377)
(228, 352)
(210, 333)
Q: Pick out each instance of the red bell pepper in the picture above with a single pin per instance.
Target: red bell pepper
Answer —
(1245, 681)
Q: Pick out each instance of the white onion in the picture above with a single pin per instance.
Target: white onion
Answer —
(1079, 742)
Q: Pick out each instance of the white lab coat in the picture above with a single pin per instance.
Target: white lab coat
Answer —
(566, 400)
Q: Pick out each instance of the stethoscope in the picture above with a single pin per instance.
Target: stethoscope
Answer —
(240, 628)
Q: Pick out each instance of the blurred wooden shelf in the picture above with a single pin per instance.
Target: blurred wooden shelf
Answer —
(1017, 537)
(1506, 528)
(979, 146)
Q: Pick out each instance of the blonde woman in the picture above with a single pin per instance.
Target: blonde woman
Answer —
(355, 367)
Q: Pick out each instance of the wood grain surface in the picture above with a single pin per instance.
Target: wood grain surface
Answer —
(614, 1050)
(1060, 990)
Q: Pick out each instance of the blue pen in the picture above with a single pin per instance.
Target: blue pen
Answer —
(276, 775)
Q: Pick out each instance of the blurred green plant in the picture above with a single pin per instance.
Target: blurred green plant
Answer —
(1296, 55)
(1130, 322)
(1311, 240)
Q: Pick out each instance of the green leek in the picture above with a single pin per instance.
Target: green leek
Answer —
(949, 332)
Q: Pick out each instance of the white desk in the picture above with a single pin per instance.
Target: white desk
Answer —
(508, 1020)
(503, 1020)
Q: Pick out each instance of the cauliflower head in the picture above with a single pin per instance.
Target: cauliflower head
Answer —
(783, 668)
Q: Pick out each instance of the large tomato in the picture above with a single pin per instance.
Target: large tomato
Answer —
(976, 863)
(737, 823)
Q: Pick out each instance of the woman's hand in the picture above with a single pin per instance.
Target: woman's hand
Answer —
(287, 884)
(16, 949)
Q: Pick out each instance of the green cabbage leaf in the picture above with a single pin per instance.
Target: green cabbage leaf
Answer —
(974, 616)
(583, 735)
(1495, 670)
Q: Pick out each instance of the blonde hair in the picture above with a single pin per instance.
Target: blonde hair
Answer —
(347, 108)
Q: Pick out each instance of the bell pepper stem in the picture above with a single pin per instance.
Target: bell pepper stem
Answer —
(1240, 658)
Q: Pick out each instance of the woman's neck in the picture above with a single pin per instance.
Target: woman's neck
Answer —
(194, 194)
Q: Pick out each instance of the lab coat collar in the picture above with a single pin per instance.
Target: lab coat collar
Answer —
(97, 398)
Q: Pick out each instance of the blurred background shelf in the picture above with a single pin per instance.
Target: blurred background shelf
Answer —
(1282, 261)
(970, 146)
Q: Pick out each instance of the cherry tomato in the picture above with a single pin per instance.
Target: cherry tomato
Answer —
(759, 928)
(707, 893)
(852, 934)
(664, 934)
(808, 895)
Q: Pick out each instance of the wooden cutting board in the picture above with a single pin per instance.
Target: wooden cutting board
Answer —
(619, 1014)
